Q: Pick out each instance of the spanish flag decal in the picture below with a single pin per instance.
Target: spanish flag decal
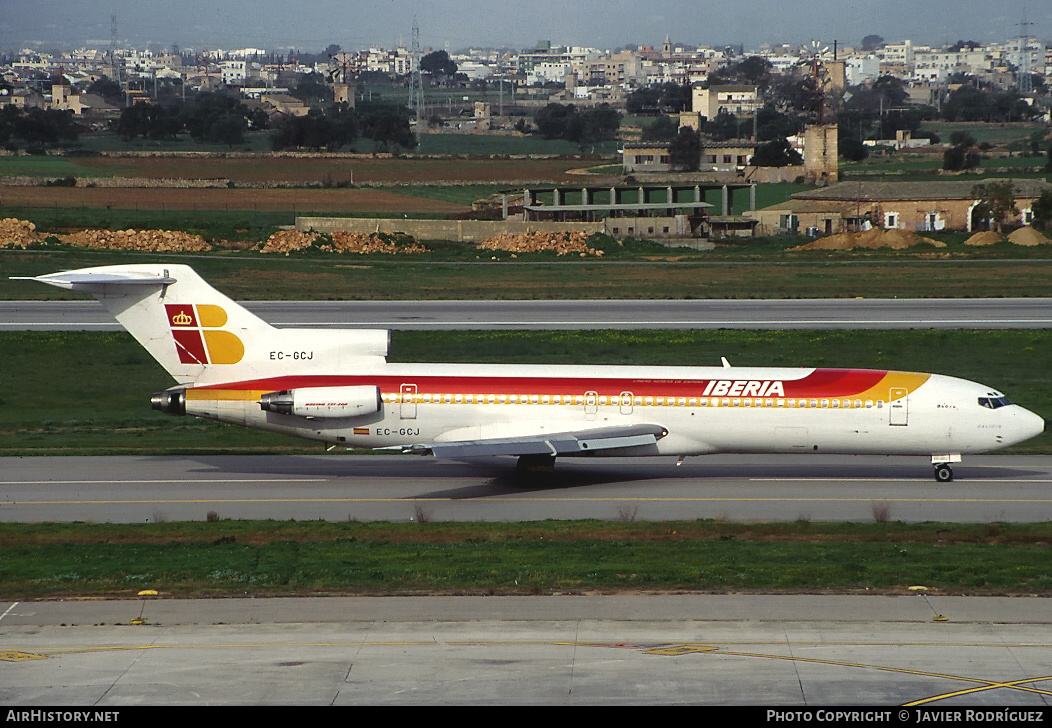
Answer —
(361, 430)
(199, 338)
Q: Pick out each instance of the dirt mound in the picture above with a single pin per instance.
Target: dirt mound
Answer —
(15, 233)
(567, 243)
(288, 241)
(870, 239)
(21, 233)
(390, 243)
(1028, 236)
(153, 241)
(987, 237)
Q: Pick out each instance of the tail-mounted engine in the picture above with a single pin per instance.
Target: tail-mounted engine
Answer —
(170, 401)
(324, 402)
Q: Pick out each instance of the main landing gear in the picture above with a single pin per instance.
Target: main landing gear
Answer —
(943, 472)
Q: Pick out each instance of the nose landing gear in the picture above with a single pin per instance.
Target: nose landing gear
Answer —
(941, 463)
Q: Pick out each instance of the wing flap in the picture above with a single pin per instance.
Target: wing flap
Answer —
(559, 443)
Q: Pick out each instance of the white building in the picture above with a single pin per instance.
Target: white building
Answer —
(233, 73)
(859, 69)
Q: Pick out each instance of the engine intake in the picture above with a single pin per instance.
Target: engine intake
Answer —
(324, 402)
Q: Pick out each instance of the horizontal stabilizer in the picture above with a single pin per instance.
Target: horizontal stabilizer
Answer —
(85, 280)
(559, 443)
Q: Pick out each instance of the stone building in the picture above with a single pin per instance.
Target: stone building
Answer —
(914, 206)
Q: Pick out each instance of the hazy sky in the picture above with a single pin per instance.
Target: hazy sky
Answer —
(313, 24)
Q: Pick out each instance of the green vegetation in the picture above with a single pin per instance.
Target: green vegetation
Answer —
(212, 225)
(636, 270)
(88, 393)
(281, 558)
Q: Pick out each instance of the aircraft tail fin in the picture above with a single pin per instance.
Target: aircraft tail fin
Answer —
(201, 336)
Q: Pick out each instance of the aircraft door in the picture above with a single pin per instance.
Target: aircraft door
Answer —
(626, 400)
(591, 404)
(407, 397)
(899, 410)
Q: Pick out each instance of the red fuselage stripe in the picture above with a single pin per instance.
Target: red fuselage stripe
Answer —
(819, 383)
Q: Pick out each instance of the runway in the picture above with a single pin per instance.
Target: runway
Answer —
(958, 313)
(928, 653)
(401, 488)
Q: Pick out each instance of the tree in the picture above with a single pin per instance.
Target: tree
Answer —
(551, 121)
(44, 126)
(149, 121)
(851, 148)
(228, 129)
(556, 121)
(754, 70)
(312, 88)
(997, 199)
(387, 125)
(108, 89)
(664, 129)
(776, 153)
(438, 63)
(772, 124)
(664, 98)
(958, 158)
(200, 117)
(1042, 210)
(685, 150)
(872, 42)
(723, 127)
(593, 125)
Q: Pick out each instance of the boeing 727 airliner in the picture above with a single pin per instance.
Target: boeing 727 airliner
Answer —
(337, 387)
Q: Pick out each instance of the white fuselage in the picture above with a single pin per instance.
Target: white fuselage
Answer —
(745, 410)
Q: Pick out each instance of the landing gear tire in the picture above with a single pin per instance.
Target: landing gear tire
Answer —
(943, 473)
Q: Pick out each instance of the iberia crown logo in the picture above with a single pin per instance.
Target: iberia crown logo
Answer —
(198, 334)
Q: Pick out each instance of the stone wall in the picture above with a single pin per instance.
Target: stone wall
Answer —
(468, 231)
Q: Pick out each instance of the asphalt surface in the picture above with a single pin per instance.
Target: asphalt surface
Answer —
(404, 487)
(933, 653)
(957, 313)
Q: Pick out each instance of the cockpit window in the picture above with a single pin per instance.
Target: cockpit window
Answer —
(994, 402)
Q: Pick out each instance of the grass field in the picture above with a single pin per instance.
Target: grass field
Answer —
(272, 558)
(88, 393)
(458, 271)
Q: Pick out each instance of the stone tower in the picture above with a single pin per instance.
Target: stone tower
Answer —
(343, 93)
(820, 154)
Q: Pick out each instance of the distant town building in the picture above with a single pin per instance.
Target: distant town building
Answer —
(732, 99)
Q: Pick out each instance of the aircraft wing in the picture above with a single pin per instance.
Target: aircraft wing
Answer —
(574, 442)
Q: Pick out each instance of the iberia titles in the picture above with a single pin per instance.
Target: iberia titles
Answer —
(744, 388)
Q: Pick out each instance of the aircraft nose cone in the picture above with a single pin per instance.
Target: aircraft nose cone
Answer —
(1027, 425)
